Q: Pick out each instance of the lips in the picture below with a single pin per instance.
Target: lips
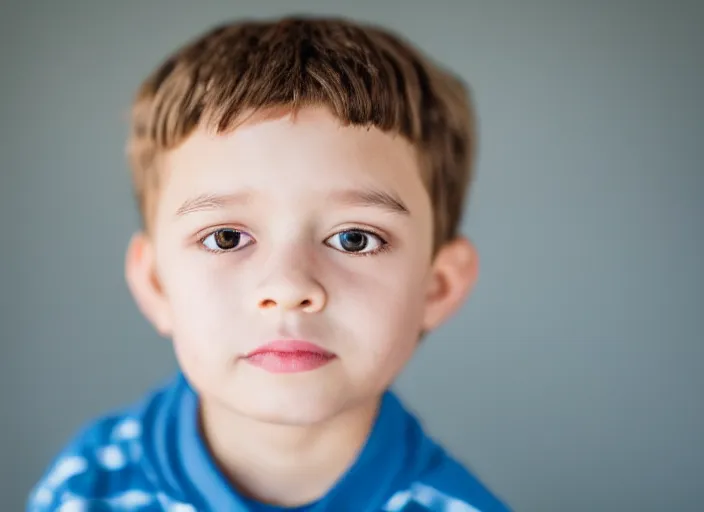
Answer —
(289, 356)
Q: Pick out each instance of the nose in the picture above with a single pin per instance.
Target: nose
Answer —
(292, 293)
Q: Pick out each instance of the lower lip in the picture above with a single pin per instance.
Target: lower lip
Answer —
(289, 362)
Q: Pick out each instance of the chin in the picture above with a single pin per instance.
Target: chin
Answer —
(290, 406)
(290, 417)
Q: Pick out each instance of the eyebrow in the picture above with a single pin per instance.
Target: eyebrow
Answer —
(206, 202)
(367, 197)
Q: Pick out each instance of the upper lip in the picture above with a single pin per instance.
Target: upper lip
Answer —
(291, 347)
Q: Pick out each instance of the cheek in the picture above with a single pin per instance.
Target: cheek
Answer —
(384, 309)
(204, 307)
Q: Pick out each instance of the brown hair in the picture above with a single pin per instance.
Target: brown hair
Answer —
(365, 75)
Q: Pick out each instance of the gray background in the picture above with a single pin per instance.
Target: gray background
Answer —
(573, 378)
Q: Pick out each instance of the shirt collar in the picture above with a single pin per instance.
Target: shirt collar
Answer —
(367, 485)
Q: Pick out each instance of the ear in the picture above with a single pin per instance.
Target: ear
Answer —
(453, 276)
(143, 282)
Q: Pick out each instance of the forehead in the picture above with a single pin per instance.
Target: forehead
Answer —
(285, 156)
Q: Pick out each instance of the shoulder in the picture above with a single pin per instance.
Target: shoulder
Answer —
(436, 480)
(446, 485)
(103, 463)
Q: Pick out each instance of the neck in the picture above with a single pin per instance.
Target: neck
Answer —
(285, 465)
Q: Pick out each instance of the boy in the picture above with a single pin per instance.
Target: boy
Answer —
(300, 182)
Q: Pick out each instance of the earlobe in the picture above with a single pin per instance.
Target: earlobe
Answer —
(453, 276)
(142, 280)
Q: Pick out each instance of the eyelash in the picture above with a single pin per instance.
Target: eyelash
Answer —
(384, 245)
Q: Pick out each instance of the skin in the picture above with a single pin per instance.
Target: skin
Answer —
(293, 191)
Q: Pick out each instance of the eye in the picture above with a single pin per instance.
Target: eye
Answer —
(224, 240)
(356, 241)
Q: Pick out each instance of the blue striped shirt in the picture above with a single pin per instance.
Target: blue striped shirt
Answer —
(151, 457)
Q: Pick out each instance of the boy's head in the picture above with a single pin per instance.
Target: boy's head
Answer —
(300, 179)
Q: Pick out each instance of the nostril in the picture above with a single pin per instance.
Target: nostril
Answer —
(267, 303)
(306, 303)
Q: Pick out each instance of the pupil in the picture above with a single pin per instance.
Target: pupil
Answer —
(353, 241)
(227, 239)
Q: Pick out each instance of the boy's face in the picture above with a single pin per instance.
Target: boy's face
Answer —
(293, 230)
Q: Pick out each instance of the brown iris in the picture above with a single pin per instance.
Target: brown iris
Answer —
(227, 239)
